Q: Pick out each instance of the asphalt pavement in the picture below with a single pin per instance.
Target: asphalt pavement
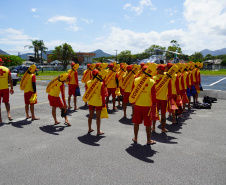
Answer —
(37, 152)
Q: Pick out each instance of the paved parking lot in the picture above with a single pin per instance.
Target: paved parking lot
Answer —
(37, 152)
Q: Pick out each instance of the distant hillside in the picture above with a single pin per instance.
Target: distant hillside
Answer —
(3, 52)
(100, 53)
(214, 53)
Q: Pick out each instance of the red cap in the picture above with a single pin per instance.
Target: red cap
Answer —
(97, 65)
(129, 68)
(144, 67)
(88, 65)
(72, 64)
(161, 67)
(169, 65)
(111, 65)
(142, 64)
(1, 60)
(95, 72)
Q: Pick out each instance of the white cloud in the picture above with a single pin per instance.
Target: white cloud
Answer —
(172, 21)
(68, 20)
(139, 9)
(87, 21)
(34, 9)
(170, 11)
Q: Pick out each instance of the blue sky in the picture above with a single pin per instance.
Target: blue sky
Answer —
(133, 25)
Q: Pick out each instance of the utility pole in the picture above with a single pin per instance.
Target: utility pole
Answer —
(116, 56)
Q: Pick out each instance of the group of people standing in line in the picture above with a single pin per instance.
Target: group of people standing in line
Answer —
(163, 90)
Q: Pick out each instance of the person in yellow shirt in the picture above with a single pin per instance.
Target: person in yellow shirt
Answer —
(127, 91)
(145, 101)
(29, 90)
(72, 85)
(5, 78)
(96, 102)
(111, 86)
(55, 101)
(162, 97)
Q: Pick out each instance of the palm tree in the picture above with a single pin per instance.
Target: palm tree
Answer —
(36, 48)
(42, 48)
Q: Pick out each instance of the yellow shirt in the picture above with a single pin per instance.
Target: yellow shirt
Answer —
(144, 98)
(173, 81)
(96, 98)
(162, 95)
(130, 84)
(55, 91)
(4, 72)
(28, 86)
(112, 82)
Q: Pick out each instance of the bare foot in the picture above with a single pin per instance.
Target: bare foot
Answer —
(91, 130)
(124, 116)
(152, 142)
(57, 122)
(28, 117)
(69, 107)
(35, 118)
(115, 108)
(67, 123)
(100, 133)
(153, 129)
(165, 130)
(134, 140)
(76, 108)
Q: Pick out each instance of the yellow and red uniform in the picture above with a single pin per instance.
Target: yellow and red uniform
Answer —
(175, 86)
(112, 85)
(89, 77)
(54, 93)
(145, 100)
(28, 90)
(128, 90)
(97, 100)
(4, 87)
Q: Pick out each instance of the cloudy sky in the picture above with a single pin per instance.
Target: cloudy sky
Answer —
(134, 25)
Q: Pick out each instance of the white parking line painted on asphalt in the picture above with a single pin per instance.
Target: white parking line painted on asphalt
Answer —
(217, 81)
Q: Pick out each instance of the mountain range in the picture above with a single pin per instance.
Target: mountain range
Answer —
(100, 53)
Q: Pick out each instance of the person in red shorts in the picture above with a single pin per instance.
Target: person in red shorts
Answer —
(96, 102)
(161, 98)
(5, 77)
(29, 90)
(145, 101)
(72, 85)
(127, 91)
(55, 101)
(89, 77)
(111, 86)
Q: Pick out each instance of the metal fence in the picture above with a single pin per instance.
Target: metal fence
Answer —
(214, 67)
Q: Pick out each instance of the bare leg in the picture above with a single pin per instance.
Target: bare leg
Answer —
(119, 104)
(194, 100)
(0, 114)
(107, 100)
(98, 122)
(184, 104)
(32, 108)
(27, 111)
(148, 131)
(189, 100)
(153, 127)
(7, 106)
(54, 115)
(124, 108)
(91, 113)
(69, 102)
(136, 129)
(75, 103)
(113, 101)
(174, 117)
(163, 120)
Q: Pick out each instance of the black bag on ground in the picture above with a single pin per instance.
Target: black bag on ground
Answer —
(208, 99)
(77, 92)
(200, 86)
(203, 105)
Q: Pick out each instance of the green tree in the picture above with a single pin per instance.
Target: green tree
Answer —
(64, 53)
(125, 57)
(223, 62)
(11, 60)
(35, 46)
(175, 47)
(153, 49)
(196, 56)
(42, 48)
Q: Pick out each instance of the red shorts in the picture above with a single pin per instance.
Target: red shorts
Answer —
(111, 91)
(86, 87)
(55, 101)
(126, 97)
(4, 95)
(98, 108)
(27, 97)
(71, 89)
(161, 104)
(140, 114)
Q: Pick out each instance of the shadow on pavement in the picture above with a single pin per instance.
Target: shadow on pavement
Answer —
(94, 116)
(126, 121)
(163, 138)
(141, 152)
(52, 129)
(90, 139)
(21, 123)
(84, 107)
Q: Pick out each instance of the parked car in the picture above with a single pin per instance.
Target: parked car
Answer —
(15, 78)
(21, 69)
